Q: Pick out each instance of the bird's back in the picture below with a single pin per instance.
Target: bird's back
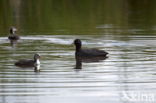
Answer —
(13, 37)
(25, 63)
(91, 52)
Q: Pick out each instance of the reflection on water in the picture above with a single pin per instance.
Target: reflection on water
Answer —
(130, 67)
(79, 60)
(13, 43)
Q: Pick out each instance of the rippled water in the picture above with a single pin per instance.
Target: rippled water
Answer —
(129, 69)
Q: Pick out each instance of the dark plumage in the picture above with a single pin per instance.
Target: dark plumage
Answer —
(29, 63)
(87, 52)
(13, 35)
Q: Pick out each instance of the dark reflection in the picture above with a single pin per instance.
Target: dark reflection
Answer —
(80, 60)
(36, 68)
(13, 43)
(78, 63)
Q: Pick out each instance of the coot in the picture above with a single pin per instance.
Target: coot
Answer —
(29, 63)
(13, 35)
(85, 53)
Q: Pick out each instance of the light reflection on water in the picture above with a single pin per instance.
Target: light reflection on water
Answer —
(130, 67)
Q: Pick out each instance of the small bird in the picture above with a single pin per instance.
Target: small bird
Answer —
(29, 63)
(88, 53)
(13, 36)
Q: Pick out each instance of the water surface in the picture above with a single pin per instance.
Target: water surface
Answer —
(130, 67)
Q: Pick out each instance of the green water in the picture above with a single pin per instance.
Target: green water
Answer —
(78, 16)
(124, 28)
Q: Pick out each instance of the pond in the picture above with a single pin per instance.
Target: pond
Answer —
(130, 67)
(126, 76)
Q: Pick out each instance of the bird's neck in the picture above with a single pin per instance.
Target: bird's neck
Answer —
(37, 61)
(78, 48)
(12, 32)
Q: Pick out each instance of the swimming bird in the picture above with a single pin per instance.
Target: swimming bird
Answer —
(13, 35)
(89, 52)
(29, 63)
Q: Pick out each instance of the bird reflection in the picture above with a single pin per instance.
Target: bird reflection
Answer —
(78, 63)
(80, 60)
(37, 68)
(13, 43)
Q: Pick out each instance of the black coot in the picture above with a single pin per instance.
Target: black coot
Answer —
(91, 52)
